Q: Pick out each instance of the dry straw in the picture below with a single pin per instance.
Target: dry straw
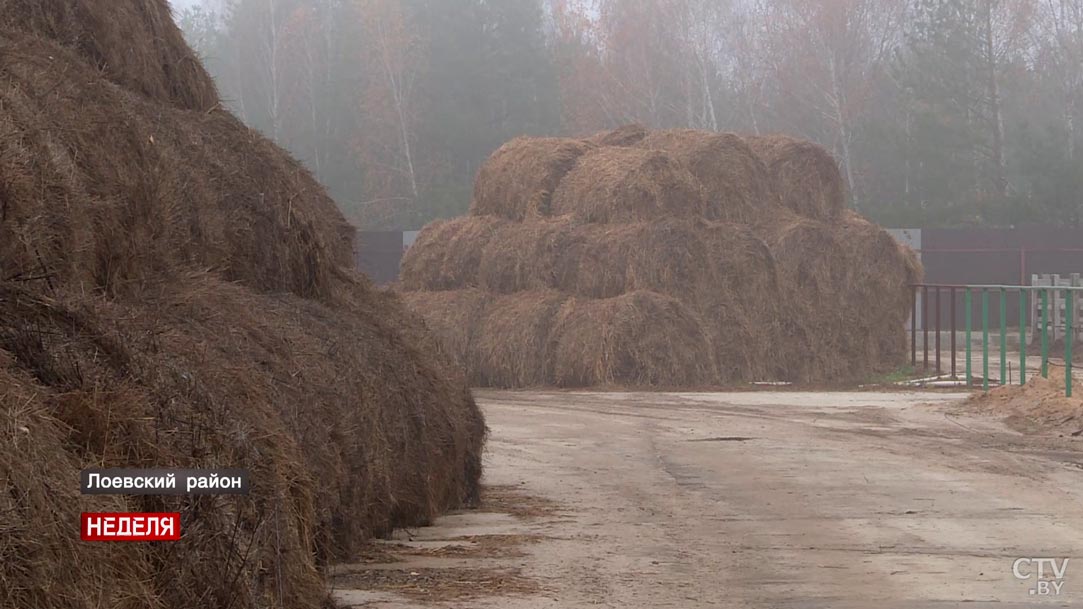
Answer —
(805, 177)
(734, 180)
(626, 135)
(676, 258)
(518, 180)
(177, 291)
(612, 185)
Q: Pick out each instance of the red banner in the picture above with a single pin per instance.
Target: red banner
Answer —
(129, 526)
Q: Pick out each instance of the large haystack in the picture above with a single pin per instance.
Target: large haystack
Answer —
(683, 258)
(177, 291)
(804, 176)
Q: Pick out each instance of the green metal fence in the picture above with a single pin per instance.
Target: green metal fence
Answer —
(1046, 296)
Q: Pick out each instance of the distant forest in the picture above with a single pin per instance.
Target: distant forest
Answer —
(941, 112)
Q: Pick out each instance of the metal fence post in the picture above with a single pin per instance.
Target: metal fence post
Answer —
(914, 329)
(985, 339)
(1003, 335)
(936, 341)
(1022, 336)
(954, 375)
(967, 304)
(1045, 332)
(1069, 338)
(925, 327)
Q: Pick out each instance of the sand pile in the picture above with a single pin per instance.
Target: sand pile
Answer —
(1037, 407)
(667, 258)
(176, 291)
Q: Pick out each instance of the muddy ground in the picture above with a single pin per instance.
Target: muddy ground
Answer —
(761, 499)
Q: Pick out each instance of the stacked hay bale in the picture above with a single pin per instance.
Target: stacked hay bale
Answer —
(666, 258)
(175, 291)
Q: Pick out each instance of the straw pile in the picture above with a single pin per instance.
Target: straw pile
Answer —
(176, 291)
(669, 258)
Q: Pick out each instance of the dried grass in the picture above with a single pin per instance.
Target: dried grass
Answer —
(447, 253)
(453, 316)
(513, 340)
(881, 273)
(525, 256)
(614, 185)
(734, 180)
(623, 136)
(637, 339)
(659, 292)
(804, 176)
(133, 42)
(176, 291)
(519, 179)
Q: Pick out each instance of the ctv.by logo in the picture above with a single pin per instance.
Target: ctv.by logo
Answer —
(1047, 573)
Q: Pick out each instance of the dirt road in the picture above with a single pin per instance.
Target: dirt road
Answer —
(841, 500)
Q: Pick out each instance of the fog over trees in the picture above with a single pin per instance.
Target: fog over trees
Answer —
(941, 112)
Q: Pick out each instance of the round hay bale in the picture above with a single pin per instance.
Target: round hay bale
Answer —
(745, 305)
(669, 256)
(813, 268)
(512, 347)
(624, 136)
(519, 179)
(454, 317)
(447, 253)
(523, 256)
(640, 339)
(734, 179)
(613, 185)
(804, 176)
(134, 42)
(879, 293)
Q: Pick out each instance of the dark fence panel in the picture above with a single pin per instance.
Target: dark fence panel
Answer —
(1001, 256)
(379, 254)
